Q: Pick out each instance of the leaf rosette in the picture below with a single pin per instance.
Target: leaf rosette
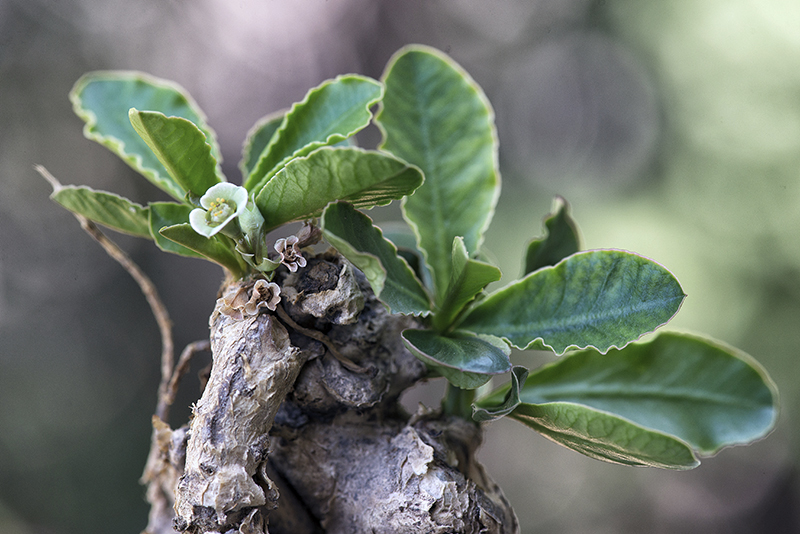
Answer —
(660, 403)
(597, 301)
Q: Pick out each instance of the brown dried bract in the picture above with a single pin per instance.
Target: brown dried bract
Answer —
(237, 304)
(290, 253)
(308, 235)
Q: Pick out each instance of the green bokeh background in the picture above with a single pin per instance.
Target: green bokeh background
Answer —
(673, 128)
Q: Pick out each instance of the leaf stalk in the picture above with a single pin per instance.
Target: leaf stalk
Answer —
(458, 401)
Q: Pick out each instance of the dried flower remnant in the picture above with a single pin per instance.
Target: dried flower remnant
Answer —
(237, 304)
(290, 253)
(308, 235)
(265, 294)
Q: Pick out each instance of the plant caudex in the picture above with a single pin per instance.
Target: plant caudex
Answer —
(657, 403)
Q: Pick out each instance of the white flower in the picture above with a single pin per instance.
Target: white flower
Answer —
(223, 202)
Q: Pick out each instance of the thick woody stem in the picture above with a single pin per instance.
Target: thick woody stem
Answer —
(347, 458)
(254, 366)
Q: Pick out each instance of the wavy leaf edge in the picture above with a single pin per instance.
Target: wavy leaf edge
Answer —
(254, 186)
(612, 415)
(539, 344)
(500, 393)
(491, 117)
(117, 145)
(351, 199)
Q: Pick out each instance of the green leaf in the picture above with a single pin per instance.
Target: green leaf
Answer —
(707, 394)
(466, 360)
(468, 278)
(181, 148)
(598, 298)
(257, 140)
(435, 116)
(363, 244)
(561, 239)
(307, 184)
(399, 233)
(163, 214)
(403, 237)
(483, 411)
(217, 248)
(102, 99)
(604, 436)
(108, 209)
(329, 113)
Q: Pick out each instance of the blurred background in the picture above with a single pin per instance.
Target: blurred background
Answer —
(673, 129)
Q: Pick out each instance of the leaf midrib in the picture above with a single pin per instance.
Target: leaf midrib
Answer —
(585, 320)
(432, 170)
(307, 147)
(639, 393)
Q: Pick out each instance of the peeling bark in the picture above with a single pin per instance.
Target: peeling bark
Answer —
(281, 416)
(254, 367)
(369, 475)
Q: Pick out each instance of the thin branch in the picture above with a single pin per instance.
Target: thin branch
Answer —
(148, 289)
(319, 336)
(183, 366)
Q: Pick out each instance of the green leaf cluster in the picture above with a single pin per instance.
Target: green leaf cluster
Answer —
(293, 163)
(658, 403)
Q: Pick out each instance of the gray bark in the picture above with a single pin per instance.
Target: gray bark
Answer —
(288, 439)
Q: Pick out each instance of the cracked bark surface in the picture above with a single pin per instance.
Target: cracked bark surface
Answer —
(287, 439)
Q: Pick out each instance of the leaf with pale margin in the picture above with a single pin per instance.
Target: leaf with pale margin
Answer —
(330, 113)
(365, 178)
(181, 148)
(257, 140)
(216, 248)
(108, 209)
(705, 393)
(163, 214)
(260, 136)
(598, 298)
(435, 116)
(468, 278)
(363, 244)
(495, 408)
(468, 361)
(102, 99)
(604, 436)
(561, 239)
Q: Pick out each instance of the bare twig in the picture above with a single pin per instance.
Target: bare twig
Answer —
(183, 366)
(148, 289)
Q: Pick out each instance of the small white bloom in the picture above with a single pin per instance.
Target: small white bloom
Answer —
(223, 202)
